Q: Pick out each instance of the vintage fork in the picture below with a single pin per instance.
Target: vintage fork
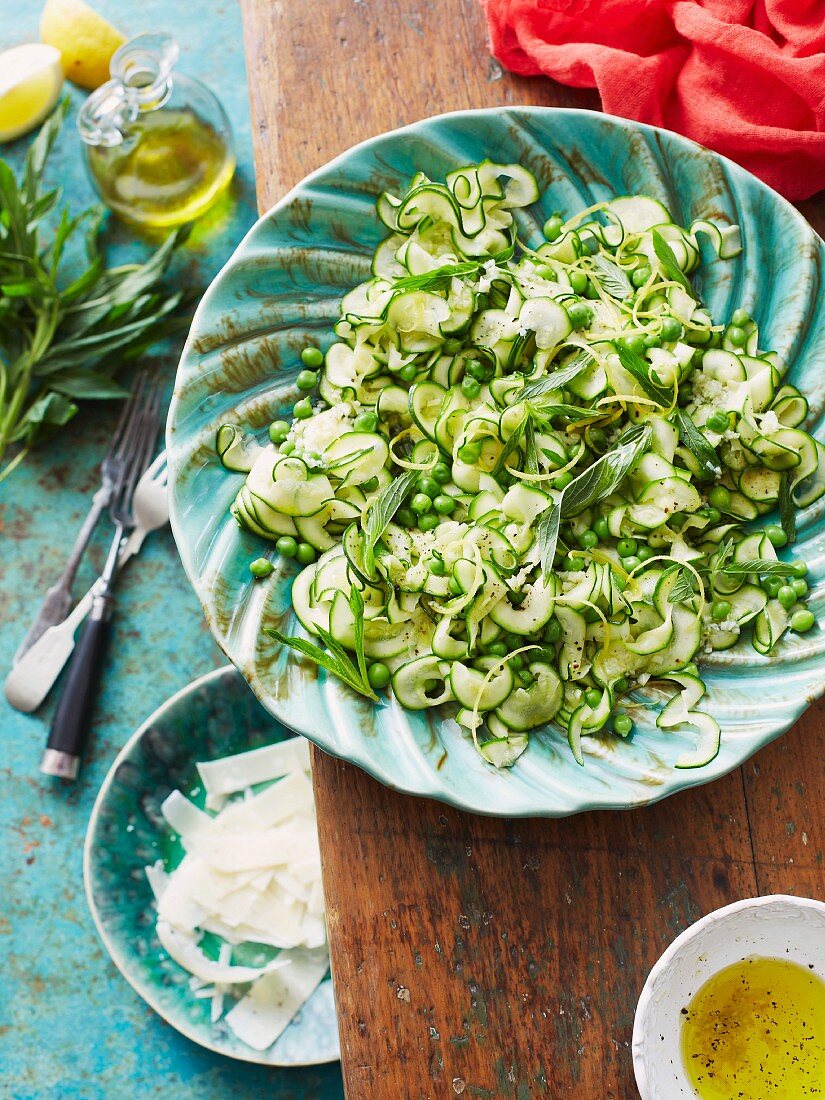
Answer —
(32, 677)
(71, 721)
(58, 598)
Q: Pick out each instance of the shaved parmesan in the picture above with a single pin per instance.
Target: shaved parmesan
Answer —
(263, 1014)
(235, 773)
(251, 876)
(184, 950)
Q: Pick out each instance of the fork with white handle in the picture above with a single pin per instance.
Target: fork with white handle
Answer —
(34, 675)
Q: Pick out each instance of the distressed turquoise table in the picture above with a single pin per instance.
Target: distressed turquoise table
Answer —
(70, 1027)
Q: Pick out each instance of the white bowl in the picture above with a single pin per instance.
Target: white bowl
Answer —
(776, 926)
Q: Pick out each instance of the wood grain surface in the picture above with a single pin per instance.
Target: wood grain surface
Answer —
(477, 957)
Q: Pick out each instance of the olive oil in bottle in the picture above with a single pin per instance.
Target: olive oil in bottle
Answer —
(158, 145)
(756, 1030)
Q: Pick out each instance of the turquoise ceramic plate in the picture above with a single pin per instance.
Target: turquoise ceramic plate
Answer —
(215, 716)
(282, 287)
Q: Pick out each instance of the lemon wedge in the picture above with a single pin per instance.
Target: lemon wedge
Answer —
(86, 41)
(31, 77)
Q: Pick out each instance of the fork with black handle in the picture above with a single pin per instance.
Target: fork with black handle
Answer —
(58, 599)
(72, 718)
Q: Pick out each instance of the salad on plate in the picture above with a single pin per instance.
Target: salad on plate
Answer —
(526, 480)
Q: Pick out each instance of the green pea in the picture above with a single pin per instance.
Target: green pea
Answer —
(592, 697)
(718, 422)
(800, 568)
(786, 596)
(580, 315)
(444, 504)
(305, 554)
(598, 438)
(312, 357)
(623, 725)
(470, 453)
(626, 547)
(736, 335)
(407, 373)
(365, 422)
(720, 611)
(601, 528)
(546, 655)
(713, 514)
(306, 380)
(640, 275)
(590, 291)
(516, 663)
(800, 587)
(370, 485)
(652, 341)
(302, 409)
(286, 546)
(514, 641)
(577, 280)
(771, 586)
(421, 503)
(634, 342)
(405, 517)
(470, 387)
(644, 553)
(260, 567)
(740, 317)
(574, 564)
(802, 620)
(497, 649)
(719, 496)
(552, 632)
(476, 370)
(776, 536)
(620, 685)
(287, 448)
(441, 473)
(563, 480)
(552, 227)
(378, 675)
(588, 540)
(631, 562)
(429, 486)
(671, 329)
(703, 336)
(427, 522)
(278, 431)
(437, 567)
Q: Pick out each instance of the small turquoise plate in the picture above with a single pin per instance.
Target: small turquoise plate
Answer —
(282, 290)
(214, 716)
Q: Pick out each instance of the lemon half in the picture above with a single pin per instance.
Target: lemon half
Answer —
(31, 77)
(86, 40)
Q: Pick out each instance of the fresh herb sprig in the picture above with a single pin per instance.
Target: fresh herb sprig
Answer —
(668, 264)
(61, 341)
(597, 482)
(699, 446)
(639, 369)
(787, 508)
(335, 659)
(612, 278)
(381, 512)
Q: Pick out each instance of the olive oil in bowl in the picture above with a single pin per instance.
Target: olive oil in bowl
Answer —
(756, 1031)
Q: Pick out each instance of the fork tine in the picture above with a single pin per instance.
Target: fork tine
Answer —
(126, 414)
(142, 445)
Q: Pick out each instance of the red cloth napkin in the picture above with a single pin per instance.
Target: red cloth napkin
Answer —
(744, 77)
